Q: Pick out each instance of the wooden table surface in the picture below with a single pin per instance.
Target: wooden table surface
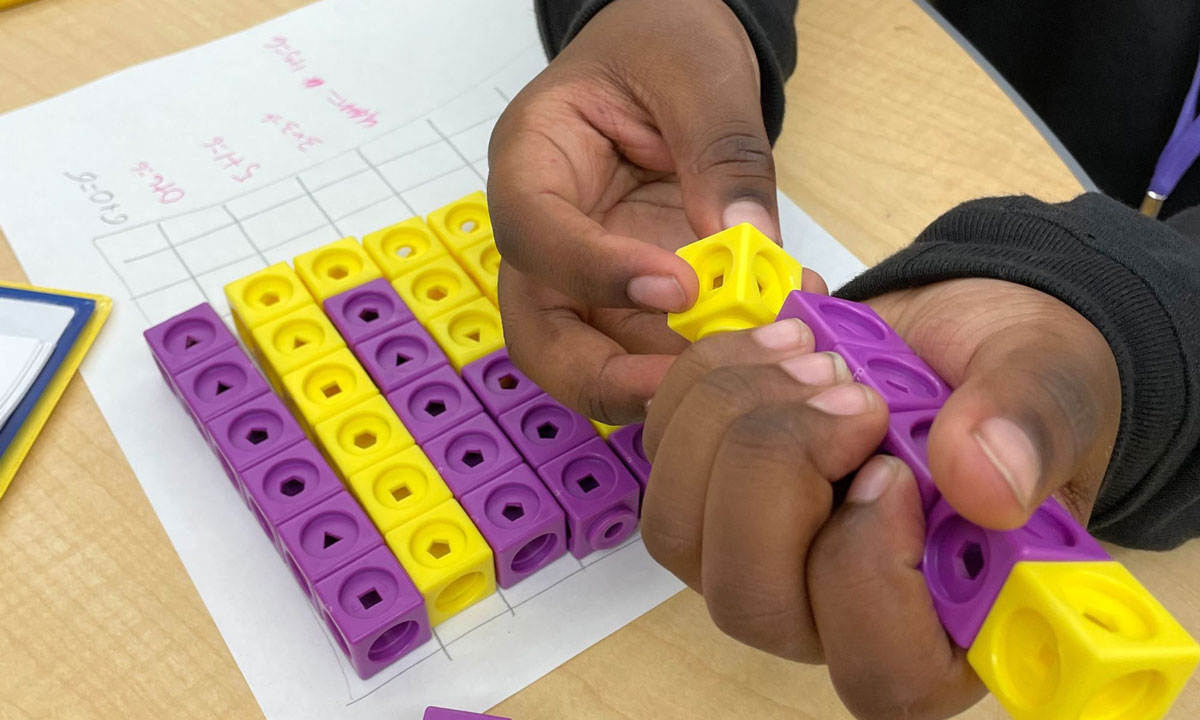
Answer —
(889, 124)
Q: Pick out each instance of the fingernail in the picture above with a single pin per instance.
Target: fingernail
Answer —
(660, 292)
(821, 368)
(849, 399)
(783, 335)
(749, 211)
(873, 480)
(1012, 453)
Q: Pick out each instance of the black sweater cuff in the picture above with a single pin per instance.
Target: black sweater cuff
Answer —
(1136, 280)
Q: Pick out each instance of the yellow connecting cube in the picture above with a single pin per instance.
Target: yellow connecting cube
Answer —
(447, 559)
(1081, 640)
(264, 296)
(335, 268)
(436, 287)
(462, 223)
(363, 435)
(469, 332)
(482, 261)
(407, 245)
(744, 279)
(327, 386)
(292, 341)
(604, 428)
(399, 488)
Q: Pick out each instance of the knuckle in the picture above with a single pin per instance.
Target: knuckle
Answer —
(736, 148)
(786, 632)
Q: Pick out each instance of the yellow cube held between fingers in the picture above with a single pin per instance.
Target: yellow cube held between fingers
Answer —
(335, 268)
(263, 296)
(482, 261)
(436, 287)
(399, 488)
(293, 341)
(447, 559)
(402, 247)
(462, 223)
(328, 385)
(357, 438)
(1081, 640)
(469, 332)
(744, 279)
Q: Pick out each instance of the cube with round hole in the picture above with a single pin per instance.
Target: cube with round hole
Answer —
(434, 404)
(1081, 640)
(521, 521)
(361, 436)
(598, 495)
(400, 356)
(498, 384)
(966, 565)
(834, 321)
(908, 439)
(462, 223)
(293, 341)
(627, 442)
(471, 454)
(903, 380)
(325, 537)
(543, 428)
(399, 488)
(367, 310)
(482, 262)
(263, 296)
(220, 383)
(187, 338)
(402, 247)
(334, 268)
(435, 287)
(469, 332)
(374, 611)
(447, 559)
(327, 386)
(289, 482)
(253, 431)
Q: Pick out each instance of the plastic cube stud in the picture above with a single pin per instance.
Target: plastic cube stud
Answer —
(367, 310)
(374, 611)
(543, 428)
(482, 262)
(402, 247)
(437, 713)
(604, 430)
(462, 223)
(293, 341)
(325, 537)
(627, 442)
(188, 338)
(264, 296)
(1081, 640)
(253, 431)
(335, 268)
(469, 332)
(744, 278)
(447, 558)
(834, 321)
(966, 565)
(220, 383)
(498, 384)
(598, 495)
(328, 386)
(363, 435)
(400, 356)
(472, 454)
(289, 482)
(434, 404)
(436, 287)
(521, 521)
(399, 488)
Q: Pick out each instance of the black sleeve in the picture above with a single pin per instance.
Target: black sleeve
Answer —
(1138, 281)
(769, 23)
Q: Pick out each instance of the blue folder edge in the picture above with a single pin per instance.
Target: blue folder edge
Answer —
(83, 308)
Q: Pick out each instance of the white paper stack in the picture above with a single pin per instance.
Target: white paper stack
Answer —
(29, 332)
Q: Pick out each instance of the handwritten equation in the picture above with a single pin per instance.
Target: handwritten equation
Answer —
(229, 159)
(99, 196)
(293, 58)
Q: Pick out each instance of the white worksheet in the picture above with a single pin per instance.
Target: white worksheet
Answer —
(161, 183)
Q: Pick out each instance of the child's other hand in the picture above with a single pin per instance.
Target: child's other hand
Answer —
(644, 134)
(749, 431)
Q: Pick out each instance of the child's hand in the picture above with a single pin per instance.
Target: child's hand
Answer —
(749, 431)
(644, 134)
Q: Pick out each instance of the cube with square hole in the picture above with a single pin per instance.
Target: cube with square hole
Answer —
(399, 488)
(328, 386)
(598, 495)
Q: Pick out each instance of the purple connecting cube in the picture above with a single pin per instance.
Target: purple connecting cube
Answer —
(471, 454)
(543, 428)
(289, 482)
(374, 611)
(325, 537)
(437, 713)
(399, 356)
(220, 383)
(598, 495)
(834, 321)
(498, 383)
(627, 442)
(434, 404)
(188, 338)
(903, 379)
(966, 565)
(367, 310)
(908, 439)
(521, 521)
(253, 431)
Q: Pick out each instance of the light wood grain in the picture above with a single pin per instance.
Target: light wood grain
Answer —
(889, 124)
